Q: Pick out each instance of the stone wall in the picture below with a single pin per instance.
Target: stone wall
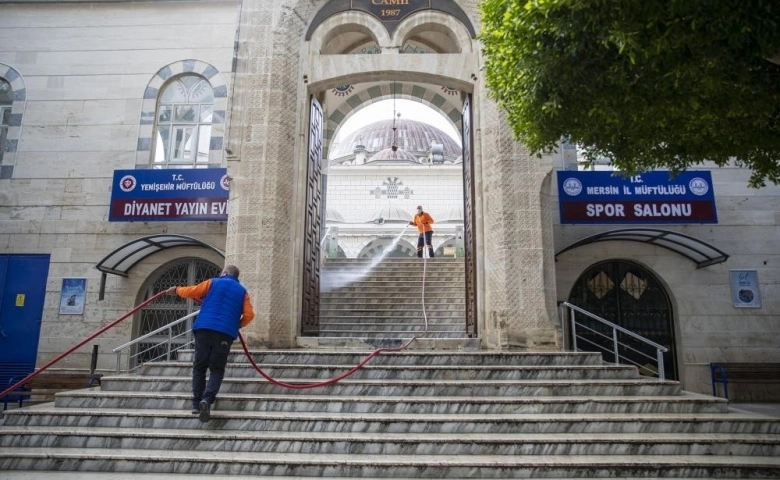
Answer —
(86, 67)
(707, 327)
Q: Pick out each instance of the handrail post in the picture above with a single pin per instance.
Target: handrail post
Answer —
(119, 361)
(573, 330)
(661, 372)
(615, 348)
(170, 342)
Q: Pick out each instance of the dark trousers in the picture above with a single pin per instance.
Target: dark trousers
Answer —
(211, 352)
(422, 240)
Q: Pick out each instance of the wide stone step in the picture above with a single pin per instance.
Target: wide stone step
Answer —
(406, 322)
(589, 423)
(335, 307)
(405, 372)
(426, 388)
(394, 275)
(400, 466)
(397, 288)
(395, 325)
(392, 443)
(689, 403)
(409, 357)
(37, 475)
(391, 297)
(408, 313)
(384, 335)
(394, 300)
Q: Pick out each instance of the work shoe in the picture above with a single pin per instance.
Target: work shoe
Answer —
(196, 410)
(204, 411)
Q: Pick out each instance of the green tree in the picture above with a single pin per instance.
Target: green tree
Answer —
(647, 84)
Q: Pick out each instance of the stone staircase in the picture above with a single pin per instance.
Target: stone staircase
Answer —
(386, 301)
(412, 414)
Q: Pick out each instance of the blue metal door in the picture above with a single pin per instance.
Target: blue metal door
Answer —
(23, 287)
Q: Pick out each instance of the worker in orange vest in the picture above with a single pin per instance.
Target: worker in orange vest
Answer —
(423, 221)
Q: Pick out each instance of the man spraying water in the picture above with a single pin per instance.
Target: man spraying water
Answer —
(423, 221)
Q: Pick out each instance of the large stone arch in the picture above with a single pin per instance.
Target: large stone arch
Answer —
(277, 71)
(440, 98)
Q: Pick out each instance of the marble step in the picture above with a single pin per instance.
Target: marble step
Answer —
(686, 403)
(398, 466)
(392, 443)
(47, 415)
(440, 311)
(397, 325)
(350, 358)
(392, 298)
(395, 302)
(410, 322)
(383, 387)
(465, 344)
(436, 262)
(384, 335)
(397, 288)
(37, 475)
(406, 274)
(405, 372)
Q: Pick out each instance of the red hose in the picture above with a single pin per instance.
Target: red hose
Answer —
(330, 381)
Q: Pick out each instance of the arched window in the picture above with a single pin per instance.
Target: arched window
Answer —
(188, 271)
(6, 103)
(184, 116)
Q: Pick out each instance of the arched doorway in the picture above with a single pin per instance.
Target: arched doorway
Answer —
(630, 296)
(180, 272)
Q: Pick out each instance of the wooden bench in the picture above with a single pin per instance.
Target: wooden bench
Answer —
(758, 373)
(45, 385)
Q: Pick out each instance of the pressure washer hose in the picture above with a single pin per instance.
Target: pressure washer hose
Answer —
(306, 386)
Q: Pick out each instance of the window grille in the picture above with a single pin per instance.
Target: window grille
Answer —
(169, 307)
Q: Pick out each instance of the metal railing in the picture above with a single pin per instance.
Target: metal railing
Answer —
(614, 340)
(170, 345)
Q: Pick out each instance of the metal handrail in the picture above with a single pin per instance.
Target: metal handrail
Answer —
(169, 328)
(80, 344)
(660, 349)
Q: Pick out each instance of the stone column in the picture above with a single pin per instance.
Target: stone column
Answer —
(519, 310)
(261, 135)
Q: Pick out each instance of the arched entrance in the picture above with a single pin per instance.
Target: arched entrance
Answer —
(630, 296)
(337, 34)
(185, 271)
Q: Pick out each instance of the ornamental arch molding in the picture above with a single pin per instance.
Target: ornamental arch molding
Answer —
(18, 95)
(440, 32)
(158, 81)
(357, 27)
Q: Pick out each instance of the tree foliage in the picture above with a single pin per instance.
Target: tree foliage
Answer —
(647, 84)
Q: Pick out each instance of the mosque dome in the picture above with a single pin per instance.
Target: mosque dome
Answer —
(412, 136)
(333, 216)
(389, 156)
(453, 215)
(390, 215)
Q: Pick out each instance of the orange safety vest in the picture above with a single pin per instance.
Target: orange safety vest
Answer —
(423, 222)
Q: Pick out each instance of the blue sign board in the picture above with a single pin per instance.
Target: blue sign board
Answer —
(167, 195)
(652, 197)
